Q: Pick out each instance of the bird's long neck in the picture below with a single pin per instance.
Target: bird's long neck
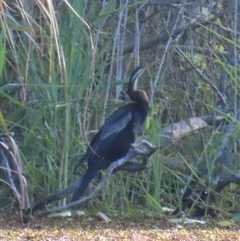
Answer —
(138, 96)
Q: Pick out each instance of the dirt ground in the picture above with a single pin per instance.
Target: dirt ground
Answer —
(90, 228)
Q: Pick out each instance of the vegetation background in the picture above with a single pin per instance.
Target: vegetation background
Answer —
(64, 66)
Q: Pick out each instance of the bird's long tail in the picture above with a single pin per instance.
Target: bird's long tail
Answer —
(86, 179)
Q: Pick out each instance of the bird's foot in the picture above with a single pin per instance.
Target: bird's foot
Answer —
(144, 148)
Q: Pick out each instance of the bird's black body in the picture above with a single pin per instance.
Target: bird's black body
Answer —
(115, 137)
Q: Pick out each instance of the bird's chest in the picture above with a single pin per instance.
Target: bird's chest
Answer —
(139, 119)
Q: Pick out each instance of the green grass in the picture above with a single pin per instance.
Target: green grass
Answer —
(61, 68)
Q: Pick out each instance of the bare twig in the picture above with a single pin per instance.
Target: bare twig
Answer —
(169, 41)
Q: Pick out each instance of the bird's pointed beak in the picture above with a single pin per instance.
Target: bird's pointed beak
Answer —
(146, 68)
(150, 65)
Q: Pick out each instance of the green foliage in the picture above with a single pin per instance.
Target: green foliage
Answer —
(2, 53)
(61, 68)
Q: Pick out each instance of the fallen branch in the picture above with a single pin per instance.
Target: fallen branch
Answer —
(142, 148)
(224, 166)
(173, 133)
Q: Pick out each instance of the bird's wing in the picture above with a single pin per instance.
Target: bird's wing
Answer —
(116, 123)
(109, 131)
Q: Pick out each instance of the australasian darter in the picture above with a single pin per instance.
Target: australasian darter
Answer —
(116, 135)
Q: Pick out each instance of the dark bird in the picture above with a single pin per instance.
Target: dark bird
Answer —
(115, 137)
